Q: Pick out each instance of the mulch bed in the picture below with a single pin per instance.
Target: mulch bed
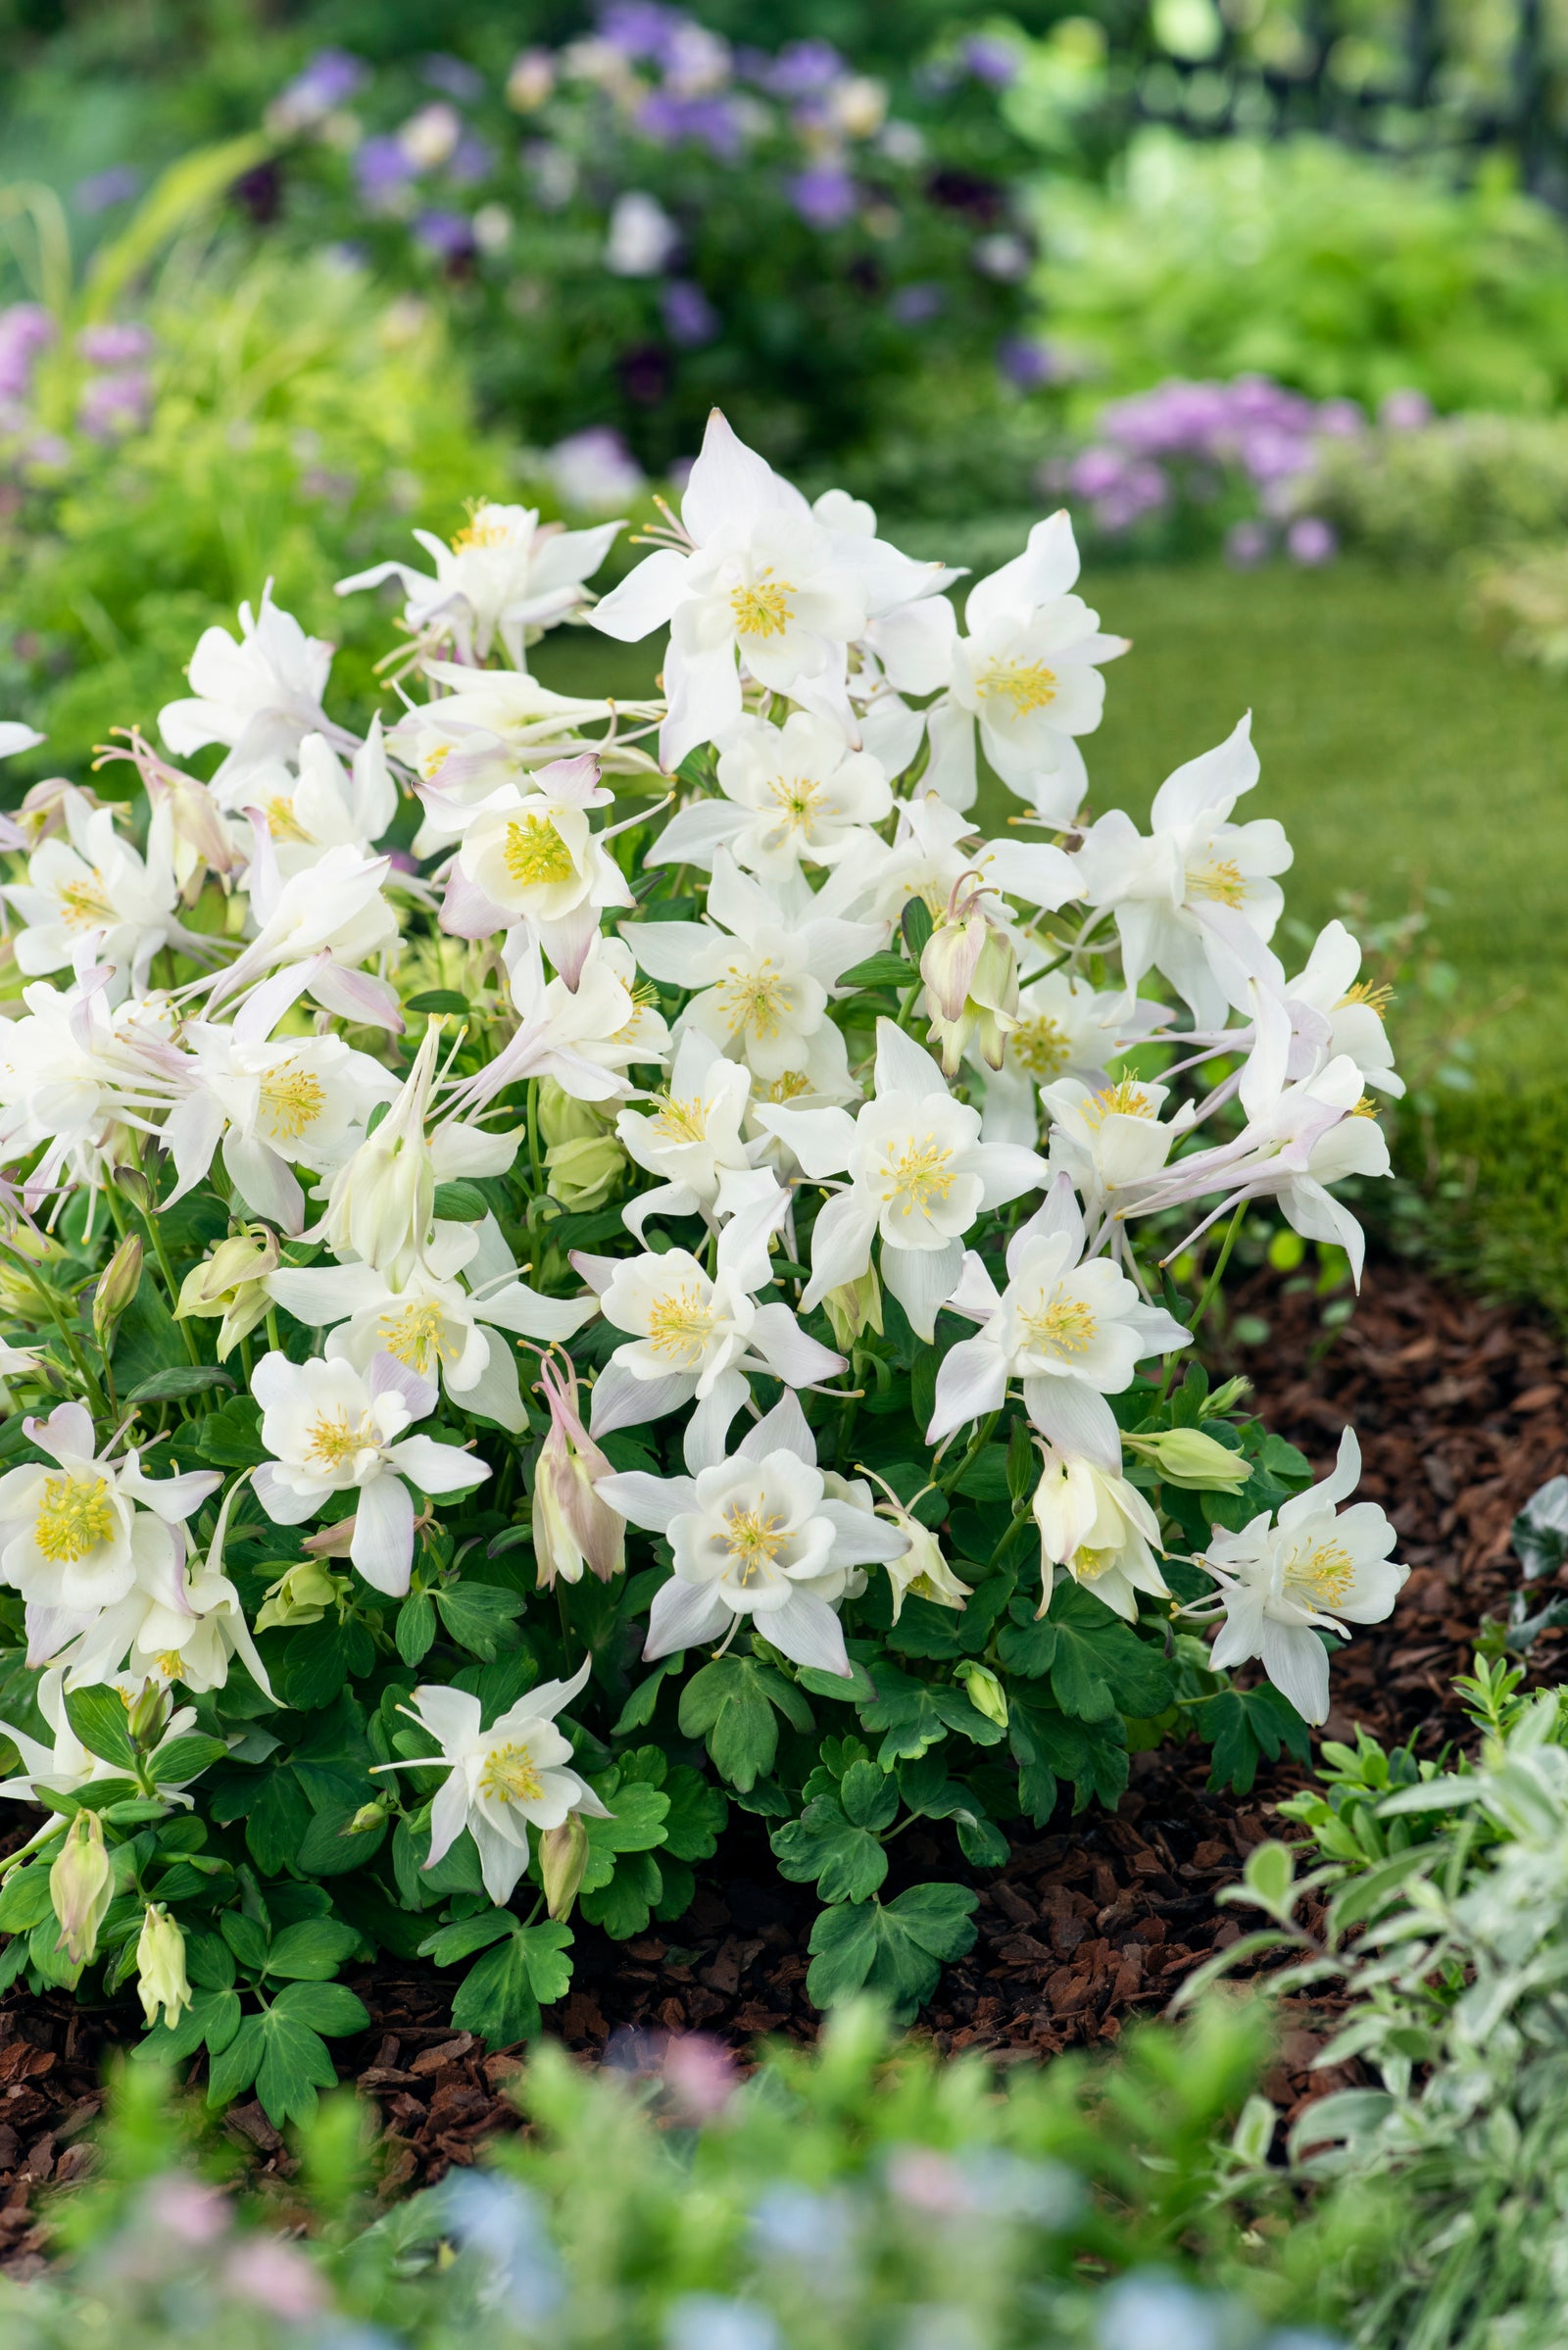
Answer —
(1462, 1410)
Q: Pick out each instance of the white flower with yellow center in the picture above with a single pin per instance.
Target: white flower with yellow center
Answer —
(92, 899)
(179, 1622)
(503, 574)
(532, 856)
(1072, 1331)
(313, 931)
(1318, 1568)
(331, 1429)
(696, 1337)
(1026, 674)
(500, 1781)
(432, 1324)
(259, 695)
(1065, 1028)
(762, 966)
(270, 1105)
(1100, 1530)
(753, 580)
(919, 1175)
(797, 794)
(325, 805)
(765, 1535)
(74, 1069)
(1178, 894)
(938, 856)
(1111, 1141)
(690, 1135)
(75, 1538)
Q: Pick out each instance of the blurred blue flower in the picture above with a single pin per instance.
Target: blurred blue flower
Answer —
(690, 319)
(825, 195)
(502, 2224)
(705, 2321)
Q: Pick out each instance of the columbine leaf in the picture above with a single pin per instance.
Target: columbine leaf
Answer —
(897, 1950)
(232, 1438)
(845, 1861)
(173, 1386)
(731, 1704)
(478, 1616)
(464, 1935)
(294, 2062)
(182, 1758)
(1245, 1727)
(328, 2007)
(496, 1998)
(310, 1951)
(98, 1718)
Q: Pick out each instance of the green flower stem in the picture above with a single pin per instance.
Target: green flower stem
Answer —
(73, 1349)
(535, 1162)
(1211, 1286)
(977, 1444)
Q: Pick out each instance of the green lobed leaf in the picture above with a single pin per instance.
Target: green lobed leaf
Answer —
(479, 1616)
(497, 2000)
(327, 2007)
(845, 1861)
(310, 1951)
(182, 1758)
(98, 1717)
(897, 1950)
(462, 1939)
(414, 1630)
(174, 1386)
(231, 1437)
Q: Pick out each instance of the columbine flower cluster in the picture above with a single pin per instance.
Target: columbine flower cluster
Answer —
(710, 1078)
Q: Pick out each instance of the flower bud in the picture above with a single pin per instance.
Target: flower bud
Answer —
(367, 1820)
(985, 1692)
(117, 1284)
(132, 1185)
(301, 1596)
(921, 1568)
(564, 1119)
(81, 1885)
(1225, 1398)
(855, 1307)
(1186, 1457)
(147, 1716)
(232, 1283)
(582, 1174)
(572, 1528)
(971, 987)
(382, 1201)
(24, 1293)
(563, 1859)
(161, 1980)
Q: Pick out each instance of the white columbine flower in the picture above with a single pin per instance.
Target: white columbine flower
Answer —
(691, 1136)
(314, 929)
(494, 728)
(92, 898)
(75, 1538)
(764, 965)
(1100, 1530)
(1113, 1142)
(1334, 1010)
(1171, 893)
(1027, 674)
(1318, 1566)
(937, 854)
(918, 1174)
(503, 574)
(177, 1623)
(325, 805)
(532, 856)
(766, 1534)
(695, 1337)
(1072, 1331)
(501, 1781)
(432, 1323)
(753, 578)
(331, 1429)
(1065, 1028)
(797, 794)
(259, 696)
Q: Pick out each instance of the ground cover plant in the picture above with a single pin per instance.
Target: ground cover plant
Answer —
(303, 1696)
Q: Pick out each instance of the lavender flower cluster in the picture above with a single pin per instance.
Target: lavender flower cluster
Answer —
(1251, 444)
(108, 394)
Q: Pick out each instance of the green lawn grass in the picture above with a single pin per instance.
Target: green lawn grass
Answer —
(1402, 755)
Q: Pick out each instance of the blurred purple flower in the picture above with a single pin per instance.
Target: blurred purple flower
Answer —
(1028, 361)
(804, 69)
(710, 122)
(25, 329)
(594, 470)
(105, 189)
(1310, 540)
(992, 62)
(1406, 411)
(381, 169)
(111, 406)
(639, 28)
(115, 346)
(1245, 545)
(455, 77)
(690, 319)
(1342, 419)
(331, 79)
(823, 195)
(472, 158)
(446, 234)
(918, 305)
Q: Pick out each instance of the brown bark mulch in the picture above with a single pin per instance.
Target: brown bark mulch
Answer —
(1462, 1410)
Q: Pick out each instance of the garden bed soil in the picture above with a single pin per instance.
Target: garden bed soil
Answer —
(1462, 1410)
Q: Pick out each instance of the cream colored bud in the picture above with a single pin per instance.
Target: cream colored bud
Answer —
(161, 1980)
(531, 80)
(117, 1284)
(232, 1283)
(582, 1174)
(81, 1885)
(1225, 1398)
(572, 1527)
(1186, 1457)
(564, 1119)
(985, 1692)
(563, 1859)
(855, 1307)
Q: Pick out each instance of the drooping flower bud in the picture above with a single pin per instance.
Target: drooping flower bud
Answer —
(985, 1692)
(581, 1174)
(1186, 1457)
(301, 1596)
(232, 1283)
(382, 1201)
(117, 1285)
(563, 1859)
(81, 1885)
(855, 1307)
(971, 983)
(921, 1569)
(161, 1980)
(572, 1528)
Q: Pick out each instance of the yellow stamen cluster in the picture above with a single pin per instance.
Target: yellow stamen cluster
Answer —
(1066, 1326)
(1366, 1107)
(292, 1098)
(763, 607)
(1039, 1045)
(797, 800)
(282, 821)
(480, 532)
(787, 1088)
(74, 1516)
(915, 1175)
(1028, 684)
(333, 1440)
(1366, 991)
(681, 1121)
(512, 1775)
(417, 1335)
(755, 999)
(1221, 881)
(1126, 1100)
(678, 1323)
(535, 855)
(755, 1542)
(86, 903)
(1324, 1576)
